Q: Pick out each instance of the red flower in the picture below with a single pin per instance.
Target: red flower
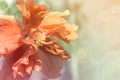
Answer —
(33, 43)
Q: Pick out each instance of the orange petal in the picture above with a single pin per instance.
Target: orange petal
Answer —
(55, 25)
(51, 64)
(10, 33)
(52, 22)
(26, 62)
(56, 49)
(37, 63)
(32, 14)
(71, 29)
(6, 71)
(65, 13)
(72, 36)
(29, 67)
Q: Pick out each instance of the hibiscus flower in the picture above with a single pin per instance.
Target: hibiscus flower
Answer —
(32, 44)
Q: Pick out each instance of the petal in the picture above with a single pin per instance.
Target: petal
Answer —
(72, 36)
(52, 22)
(32, 14)
(56, 49)
(26, 62)
(55, 25)
(10, 33)
(37, 63)
(71, 29)
(65, 13)
(51, 64)
(6, 72)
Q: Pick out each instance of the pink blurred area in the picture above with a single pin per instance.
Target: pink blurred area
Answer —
(2, 59)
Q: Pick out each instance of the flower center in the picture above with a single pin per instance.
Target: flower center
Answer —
(38, 38)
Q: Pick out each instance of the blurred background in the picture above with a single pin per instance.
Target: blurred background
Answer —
(96, 53)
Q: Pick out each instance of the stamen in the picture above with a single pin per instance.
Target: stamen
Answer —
(40, 42)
